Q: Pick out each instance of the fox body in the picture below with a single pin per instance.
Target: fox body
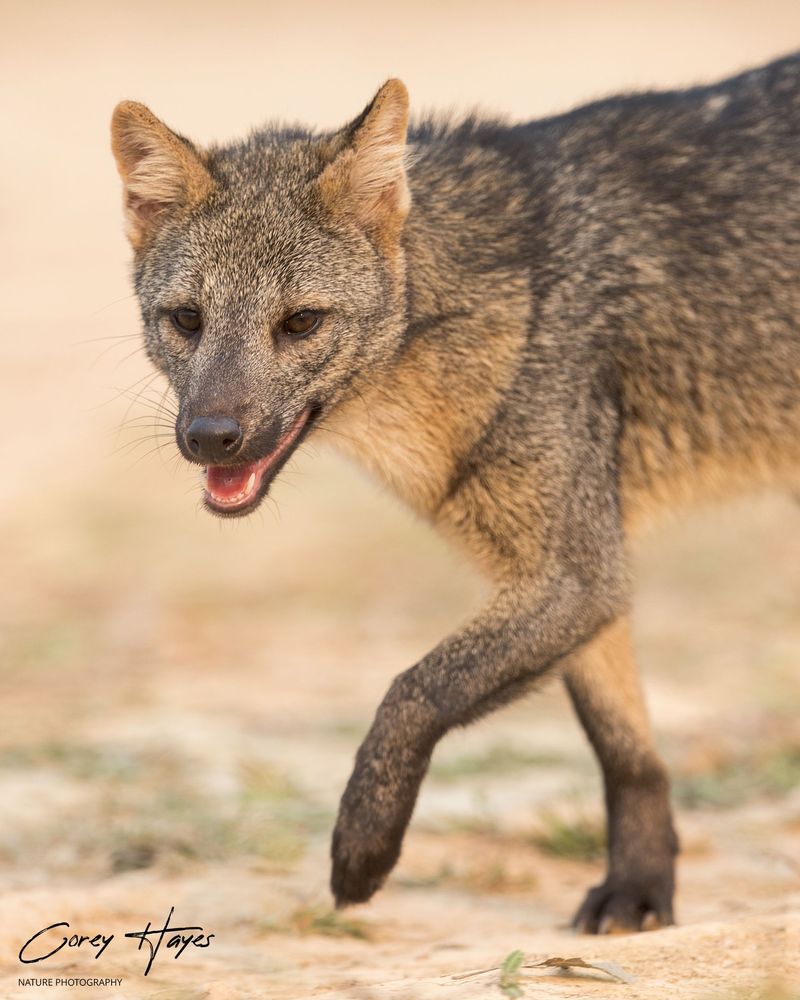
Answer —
(538, 335)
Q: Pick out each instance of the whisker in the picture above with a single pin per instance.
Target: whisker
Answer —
(152, 407)
(110, 347)
(134, 423)
(153, 416)
(158, 409)
(131, 446)
(146, 454)
(323, 429)
(121, 392)
(116, 302)
(139, 350)
(110, 336)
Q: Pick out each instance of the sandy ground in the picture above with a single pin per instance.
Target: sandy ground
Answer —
(182, 699)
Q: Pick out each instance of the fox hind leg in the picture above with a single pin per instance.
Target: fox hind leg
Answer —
(604, 687)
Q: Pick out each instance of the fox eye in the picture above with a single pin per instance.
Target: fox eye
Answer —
(301, 324)
(186, 321)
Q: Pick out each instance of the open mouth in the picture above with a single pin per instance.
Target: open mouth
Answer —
(237, 489)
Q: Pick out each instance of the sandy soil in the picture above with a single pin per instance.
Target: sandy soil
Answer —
(182, 699)
(182, 703)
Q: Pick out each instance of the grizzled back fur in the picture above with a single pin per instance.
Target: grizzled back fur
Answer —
(642, 250)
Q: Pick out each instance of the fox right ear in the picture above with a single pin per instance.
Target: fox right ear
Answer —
(366, 178)
(161, 171)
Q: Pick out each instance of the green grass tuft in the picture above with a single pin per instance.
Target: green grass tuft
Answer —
(497, 760)
(581, 839)
(322, 920)
(733, 782)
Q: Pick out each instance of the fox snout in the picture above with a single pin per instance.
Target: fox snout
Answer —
(213, 440)
(211, 437)
(240, 462)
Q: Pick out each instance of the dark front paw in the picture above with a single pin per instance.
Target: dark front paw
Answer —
(380, 796)
(362, 858)
(373, 816)
(620, 906)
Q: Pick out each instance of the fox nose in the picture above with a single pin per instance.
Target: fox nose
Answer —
(214, 439)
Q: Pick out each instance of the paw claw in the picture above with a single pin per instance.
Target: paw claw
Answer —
(651, 922)
(625, 908)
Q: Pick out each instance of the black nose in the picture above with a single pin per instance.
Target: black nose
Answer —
(214, 439)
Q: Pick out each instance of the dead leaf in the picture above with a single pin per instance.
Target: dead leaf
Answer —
(609, 968)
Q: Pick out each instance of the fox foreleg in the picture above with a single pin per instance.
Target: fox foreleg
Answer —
(528, 628)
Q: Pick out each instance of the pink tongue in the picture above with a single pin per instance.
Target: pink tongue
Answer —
(225, 482)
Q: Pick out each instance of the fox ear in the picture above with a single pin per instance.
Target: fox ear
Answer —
(161, 171)
(367, 177)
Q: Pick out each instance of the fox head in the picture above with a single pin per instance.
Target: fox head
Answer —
(270, 276)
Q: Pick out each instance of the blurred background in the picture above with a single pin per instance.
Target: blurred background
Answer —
(182, 698)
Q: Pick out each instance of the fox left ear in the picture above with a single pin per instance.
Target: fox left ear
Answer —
(367, 177)
(161, 171)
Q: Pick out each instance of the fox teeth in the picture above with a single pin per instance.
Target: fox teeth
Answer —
(250, 482)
